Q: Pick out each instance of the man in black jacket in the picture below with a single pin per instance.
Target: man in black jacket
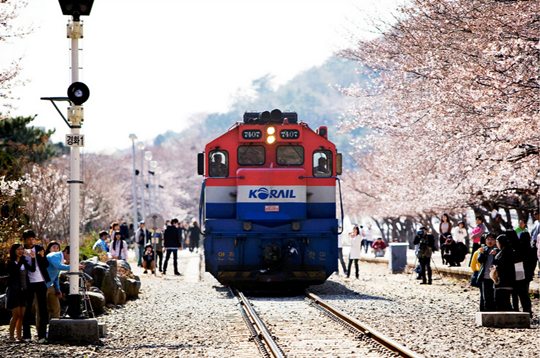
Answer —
(124, 229)
(426, 244)
(38, 287)
(172, 242)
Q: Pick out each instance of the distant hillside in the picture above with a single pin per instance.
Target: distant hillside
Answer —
(309, 94)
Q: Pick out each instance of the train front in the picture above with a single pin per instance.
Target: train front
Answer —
(269, 203)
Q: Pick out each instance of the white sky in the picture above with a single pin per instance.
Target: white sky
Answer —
(151, 65)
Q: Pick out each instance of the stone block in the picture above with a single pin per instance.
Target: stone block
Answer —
(109, 288)
(97, 300)
(80, 331)
(113, 266)
(102, 328)
(503, 319)
(99, 273)
(132, 287)
(120, 297)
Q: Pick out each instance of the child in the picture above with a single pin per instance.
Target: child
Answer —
(149, 259)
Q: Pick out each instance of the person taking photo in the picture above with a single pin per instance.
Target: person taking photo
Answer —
(426, 244)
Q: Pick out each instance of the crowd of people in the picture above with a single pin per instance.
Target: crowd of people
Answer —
(149, 248)
(503, 268)
(34, 270)
(503, 265)
(34, 275)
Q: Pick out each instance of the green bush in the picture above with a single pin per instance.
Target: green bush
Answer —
(85, 250)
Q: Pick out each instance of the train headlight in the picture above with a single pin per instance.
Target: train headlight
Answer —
(270, 139)
(271, 130)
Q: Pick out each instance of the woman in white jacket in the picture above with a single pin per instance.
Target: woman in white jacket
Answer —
(119, 248)
(459, 233)
(354, 254)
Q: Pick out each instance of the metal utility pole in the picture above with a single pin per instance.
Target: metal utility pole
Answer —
(143, 204)
(133, 138)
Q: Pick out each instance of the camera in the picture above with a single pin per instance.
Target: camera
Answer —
(420, 233)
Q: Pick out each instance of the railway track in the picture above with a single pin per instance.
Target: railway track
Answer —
(307, 326)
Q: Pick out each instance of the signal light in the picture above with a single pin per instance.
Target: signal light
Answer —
(78, 93)
(271, 139)
(271, 130)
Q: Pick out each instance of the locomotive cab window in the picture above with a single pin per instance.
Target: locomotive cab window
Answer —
(218, 164)
(322, 163)
(251, 155)
(290, 155)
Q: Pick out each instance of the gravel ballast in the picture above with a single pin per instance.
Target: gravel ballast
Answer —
(435, 320)
(176, 318)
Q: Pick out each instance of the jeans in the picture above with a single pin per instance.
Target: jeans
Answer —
(487, 295)
(159, 255)
(193, 244)
(340, 258)
(175, 258)
(40, 291)
(141, 250)
(350, 267)
(425, 263)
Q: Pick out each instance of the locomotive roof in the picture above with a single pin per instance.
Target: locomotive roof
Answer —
(273, 117)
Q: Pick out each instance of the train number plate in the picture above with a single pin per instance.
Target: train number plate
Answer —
(271, 208)
(289, 134)
(251, 134)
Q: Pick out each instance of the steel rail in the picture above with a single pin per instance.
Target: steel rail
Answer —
(367, 330)
(266, 335)
(254, 335)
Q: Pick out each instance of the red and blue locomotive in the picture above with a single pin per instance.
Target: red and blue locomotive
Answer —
(268, 202)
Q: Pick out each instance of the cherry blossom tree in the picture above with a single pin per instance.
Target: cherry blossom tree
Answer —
(10, 225)
(9, 10)
(453, 108)
(181, 184)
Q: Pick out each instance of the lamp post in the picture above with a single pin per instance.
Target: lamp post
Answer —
(153, 166)
(148, 157)
(159, 170)
(133, 138)
(78, 93)
(143, 211)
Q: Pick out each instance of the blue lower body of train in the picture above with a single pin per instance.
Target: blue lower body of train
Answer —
(271, 255)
